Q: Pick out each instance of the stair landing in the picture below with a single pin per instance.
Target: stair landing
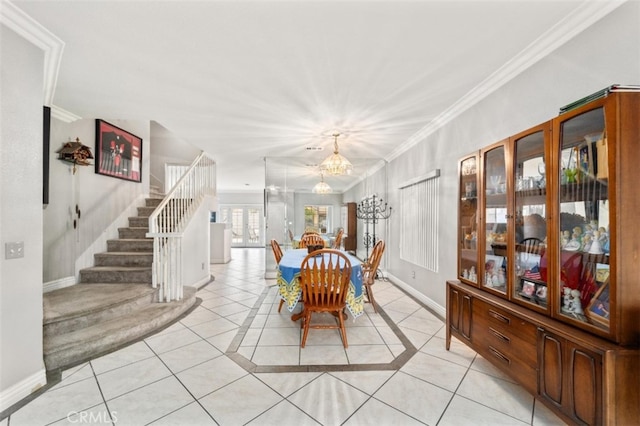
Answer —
(85, 321)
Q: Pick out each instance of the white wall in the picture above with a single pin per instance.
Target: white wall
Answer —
(604, 54)
(195, 248)
(21, 364)
(101, 200)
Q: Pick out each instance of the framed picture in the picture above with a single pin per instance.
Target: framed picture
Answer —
(598, 309)
(541, 292)
(118, 152)
(528, 288)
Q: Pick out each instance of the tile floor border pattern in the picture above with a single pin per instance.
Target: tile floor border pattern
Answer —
(251, 367)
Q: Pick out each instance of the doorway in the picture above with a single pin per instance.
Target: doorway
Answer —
(246, 223)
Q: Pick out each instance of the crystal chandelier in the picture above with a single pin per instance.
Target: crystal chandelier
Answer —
(336, 164)
(322, 187)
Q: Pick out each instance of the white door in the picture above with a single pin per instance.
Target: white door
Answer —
(246, 225)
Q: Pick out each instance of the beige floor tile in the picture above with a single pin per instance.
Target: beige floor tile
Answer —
(240, 401)
(414, 397)
(190, 415)
(367, 381)
(116, 382)
(286, 384)
(283, 414)
(57, 403)
(501, 395)
(339, 400)
(276, 355)
(374, 412)
(189, 355)
(463, 412)
(323, 355)
(369, 354)
(282, 336)
(210, 376)
(150, 403)
(436, 371)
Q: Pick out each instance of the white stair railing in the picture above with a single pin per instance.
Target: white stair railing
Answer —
(169, 220)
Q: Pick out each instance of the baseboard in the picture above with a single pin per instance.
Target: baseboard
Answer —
(22, 390)
(201, 283)
(437, 309)
(57, 284)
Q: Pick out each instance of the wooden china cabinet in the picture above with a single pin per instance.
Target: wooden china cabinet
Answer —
(548, 286)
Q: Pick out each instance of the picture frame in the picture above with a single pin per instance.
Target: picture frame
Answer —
(118, 152)
(541, 292)
(528, 288)
(598, 311)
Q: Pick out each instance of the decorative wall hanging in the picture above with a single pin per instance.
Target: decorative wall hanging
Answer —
(75, 153)
(118, 152)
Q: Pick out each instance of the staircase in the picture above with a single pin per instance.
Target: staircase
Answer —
(114, 303)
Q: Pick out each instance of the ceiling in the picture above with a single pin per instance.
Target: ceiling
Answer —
(245, 80)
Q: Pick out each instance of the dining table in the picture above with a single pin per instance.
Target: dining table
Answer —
(289, 289)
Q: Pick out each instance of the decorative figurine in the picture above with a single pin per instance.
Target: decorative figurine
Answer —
(596, 247)
(566, 299)
(576, 305)
(587, 241)
(472, 274)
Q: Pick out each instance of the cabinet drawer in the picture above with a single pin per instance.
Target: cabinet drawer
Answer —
(504, 321)
(487, 333)
(522, 372)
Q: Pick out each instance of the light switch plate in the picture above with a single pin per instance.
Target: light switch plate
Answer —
(14, 250)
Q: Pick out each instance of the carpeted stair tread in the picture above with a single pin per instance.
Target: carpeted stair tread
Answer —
(82, 299)
(123, 258)
(117, 268)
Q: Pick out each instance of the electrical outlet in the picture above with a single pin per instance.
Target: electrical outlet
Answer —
(413, 274)
(14, 250)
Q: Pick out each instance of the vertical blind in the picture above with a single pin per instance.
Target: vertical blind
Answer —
(419, 221)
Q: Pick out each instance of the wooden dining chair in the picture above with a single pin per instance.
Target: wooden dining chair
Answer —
(311, 240)
(277, 254)
(370, 269)
(338, 241)
(324, 279)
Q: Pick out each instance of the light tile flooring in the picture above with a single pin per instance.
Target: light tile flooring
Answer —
(235, 361)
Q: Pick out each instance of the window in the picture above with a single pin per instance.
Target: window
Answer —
(318, 217)
(419, 223)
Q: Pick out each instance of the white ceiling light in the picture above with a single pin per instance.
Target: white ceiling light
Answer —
(322, 187)
(336, 164)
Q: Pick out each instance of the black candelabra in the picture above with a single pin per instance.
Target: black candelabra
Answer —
(370, 210)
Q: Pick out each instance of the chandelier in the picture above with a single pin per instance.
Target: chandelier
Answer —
(336, 164)
(322, 187)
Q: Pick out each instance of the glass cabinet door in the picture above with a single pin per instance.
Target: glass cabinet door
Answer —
(468, 220)
(584, 220)
(530, 218)
(494, 273)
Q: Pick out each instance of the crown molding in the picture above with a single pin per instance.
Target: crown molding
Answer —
(63, 115)
(25, 26)
(566, 29)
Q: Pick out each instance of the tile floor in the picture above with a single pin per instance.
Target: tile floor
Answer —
(235, 361)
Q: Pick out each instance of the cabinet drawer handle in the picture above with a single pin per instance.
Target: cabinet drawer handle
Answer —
(499, 317)
(500, 335)
(498, 355)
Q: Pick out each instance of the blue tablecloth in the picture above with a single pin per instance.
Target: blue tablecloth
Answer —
(289, 281)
